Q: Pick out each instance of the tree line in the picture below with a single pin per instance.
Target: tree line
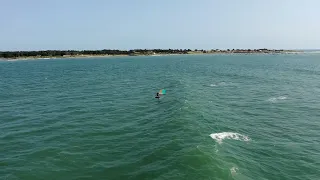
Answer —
(60, 53)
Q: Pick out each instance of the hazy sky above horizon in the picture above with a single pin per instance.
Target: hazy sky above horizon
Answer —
(129, 24)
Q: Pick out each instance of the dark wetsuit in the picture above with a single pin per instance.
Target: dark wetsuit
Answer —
(157, 96)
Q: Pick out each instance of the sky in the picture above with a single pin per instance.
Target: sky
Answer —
(148, 24)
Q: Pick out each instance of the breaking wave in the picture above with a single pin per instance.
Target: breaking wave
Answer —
(219, 137)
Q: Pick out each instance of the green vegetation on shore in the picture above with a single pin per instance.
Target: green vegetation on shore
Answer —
(135, 52)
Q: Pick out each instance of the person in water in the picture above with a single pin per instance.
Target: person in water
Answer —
(157, 96)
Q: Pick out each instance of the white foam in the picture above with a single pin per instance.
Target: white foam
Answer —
(233, 170)
(219, 137)
(282, 97)
(272, 99)
(218, 84)
(275, 99)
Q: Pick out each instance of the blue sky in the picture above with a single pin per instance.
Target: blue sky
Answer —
(129, 24)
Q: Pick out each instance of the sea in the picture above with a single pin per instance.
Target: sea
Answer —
(224, 117)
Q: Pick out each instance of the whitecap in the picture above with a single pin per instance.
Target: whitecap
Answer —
(219, 137)
(272, 99)
(233, 170)
(222, 83)
(282, 97)
(275, 99)
(213, 85)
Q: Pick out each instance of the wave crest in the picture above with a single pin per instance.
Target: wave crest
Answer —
(219, 137)
(275, 99)
(219, 84)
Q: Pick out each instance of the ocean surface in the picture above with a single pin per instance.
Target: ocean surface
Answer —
(224, 117)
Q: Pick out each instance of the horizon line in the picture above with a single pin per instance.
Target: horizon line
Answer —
(149, 49)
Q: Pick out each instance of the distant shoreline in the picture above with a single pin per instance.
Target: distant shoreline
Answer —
(58, 57)
(52, 54)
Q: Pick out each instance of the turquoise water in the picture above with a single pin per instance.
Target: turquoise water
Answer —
(242, 117)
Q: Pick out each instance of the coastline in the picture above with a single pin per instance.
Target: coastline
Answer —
(151, 53)
(57, 57)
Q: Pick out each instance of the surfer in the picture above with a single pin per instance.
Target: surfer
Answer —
(160, 93)
(157, 96)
